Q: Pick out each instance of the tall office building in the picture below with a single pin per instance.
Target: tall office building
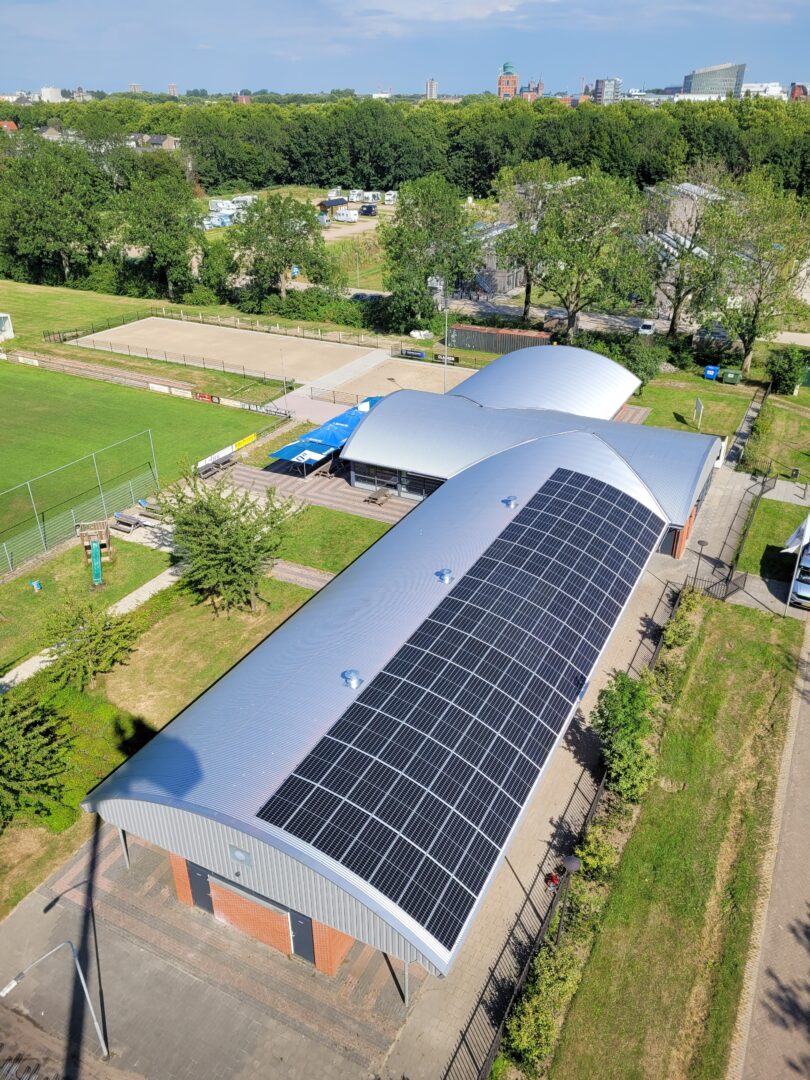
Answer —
(720, 79)
(172, 89)
(507, 82)
(431, 90)
(607, 91)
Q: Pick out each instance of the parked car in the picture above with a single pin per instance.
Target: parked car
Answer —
(368, 210)
(800, 594)
(646, 328)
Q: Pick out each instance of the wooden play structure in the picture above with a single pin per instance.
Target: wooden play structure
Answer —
(98, 531)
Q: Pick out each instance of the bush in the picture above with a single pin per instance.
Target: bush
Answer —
(531, 1030)
(786, 368)
(623, 720)
(597, 854)
(200, 296)
(313, 305)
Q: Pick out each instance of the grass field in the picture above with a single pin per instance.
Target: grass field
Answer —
(49, 419)
(659, 995)
(673, 406)
(329, 539)
(787, 444)
(23, 611)
(762, 551)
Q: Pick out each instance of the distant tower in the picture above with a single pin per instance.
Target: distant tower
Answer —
(172, 89)
(507, 82)
(135, 88)
(431, 90)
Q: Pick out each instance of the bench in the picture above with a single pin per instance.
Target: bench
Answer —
(126, 523)
(150, 509)
(211, 468)
(378, 497)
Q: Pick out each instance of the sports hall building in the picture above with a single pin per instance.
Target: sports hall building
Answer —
(361, 773)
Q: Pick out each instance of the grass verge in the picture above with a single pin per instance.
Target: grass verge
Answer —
(329, 539)
(660, 992)
(673, 406)
(762, 551)
(23, 611)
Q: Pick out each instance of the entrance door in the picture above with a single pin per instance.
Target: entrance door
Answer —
(302, 942)
(200, 887)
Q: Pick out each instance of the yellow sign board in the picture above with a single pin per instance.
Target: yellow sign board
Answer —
(244, 442)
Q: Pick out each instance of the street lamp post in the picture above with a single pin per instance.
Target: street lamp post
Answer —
(105, 1053)
(572, 865)
(701, 545)
(444, 365)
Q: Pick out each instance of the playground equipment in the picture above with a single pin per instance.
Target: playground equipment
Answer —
(95, 532)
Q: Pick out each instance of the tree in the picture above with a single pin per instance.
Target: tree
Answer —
(623, 720)
(429, 237)
(51, 221)
(589, 236)
(786, 368)
(766, 236)
(277, 233)
(227, 538)
(159, 219)
(33, 742)
(86, 641)
(523, 193)
(690, 256)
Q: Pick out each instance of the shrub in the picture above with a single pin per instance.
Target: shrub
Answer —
(623, 720)
(531, 1030)
(33, 745)
(597, 854)
(200, 296)
(786, 368)
(315, 305)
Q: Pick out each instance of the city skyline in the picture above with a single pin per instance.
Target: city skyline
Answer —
(393, 45)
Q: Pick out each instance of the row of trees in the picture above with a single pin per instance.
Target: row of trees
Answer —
(361, 142)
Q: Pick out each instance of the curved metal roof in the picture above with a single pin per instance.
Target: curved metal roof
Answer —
(440, 435)
(229, 751)
(552, 377)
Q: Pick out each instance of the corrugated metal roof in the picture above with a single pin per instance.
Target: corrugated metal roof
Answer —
(233, 747)
(441, 435)
(552, 377)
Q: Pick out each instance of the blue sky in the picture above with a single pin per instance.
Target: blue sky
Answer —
(377, 44)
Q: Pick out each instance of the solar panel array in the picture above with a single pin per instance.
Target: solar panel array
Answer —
(418, 784)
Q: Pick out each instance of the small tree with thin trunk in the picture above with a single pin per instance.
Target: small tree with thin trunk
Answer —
(227, 538)
(33, 743)
(86, 641)
(766, 237)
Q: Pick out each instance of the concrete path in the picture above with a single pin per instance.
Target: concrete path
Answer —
(743, 432)
(789, 491)
(791, 337)
(773, 1037)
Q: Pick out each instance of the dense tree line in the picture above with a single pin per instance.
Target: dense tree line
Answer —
(381, 144)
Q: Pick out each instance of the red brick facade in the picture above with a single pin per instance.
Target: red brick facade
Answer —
(683, 535)
(331, 947)
(256, 920)
(182, 885)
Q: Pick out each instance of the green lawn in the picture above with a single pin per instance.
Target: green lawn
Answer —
(22, 611)
(328, 539)
(50, 419)
(674, 406)
(660, 992)
(787, 444)
(762, 551)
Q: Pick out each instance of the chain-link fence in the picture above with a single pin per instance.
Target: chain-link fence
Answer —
(44, 511)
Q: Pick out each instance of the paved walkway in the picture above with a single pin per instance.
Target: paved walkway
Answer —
(791, 337)
(790, 492)
(743, 432)
(775, 1021)
(319, 489)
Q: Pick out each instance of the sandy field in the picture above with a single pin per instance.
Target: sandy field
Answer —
(301, 359)
(397, 374)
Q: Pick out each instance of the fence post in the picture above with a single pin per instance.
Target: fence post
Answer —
(8, 557)
(36, 515)
(132, 493)
(100, 488)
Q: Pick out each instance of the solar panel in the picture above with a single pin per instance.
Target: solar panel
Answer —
(418, 784)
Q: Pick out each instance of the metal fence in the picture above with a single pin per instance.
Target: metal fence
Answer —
(432, 354)
(335, 397)
(43, 512)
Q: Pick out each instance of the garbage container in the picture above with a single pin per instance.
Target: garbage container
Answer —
(710, 371)
(731, 375)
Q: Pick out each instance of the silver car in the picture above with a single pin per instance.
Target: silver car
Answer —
(800, 596)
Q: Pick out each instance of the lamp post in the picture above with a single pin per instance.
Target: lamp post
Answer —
(701, 545)
(18, 978)
(444, 365)
(572, 865)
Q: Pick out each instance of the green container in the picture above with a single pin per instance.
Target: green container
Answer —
(731, 375)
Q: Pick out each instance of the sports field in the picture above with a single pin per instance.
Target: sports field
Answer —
(50, 418)
(298, 359)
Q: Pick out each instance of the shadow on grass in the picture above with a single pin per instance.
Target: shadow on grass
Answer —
(773, 564)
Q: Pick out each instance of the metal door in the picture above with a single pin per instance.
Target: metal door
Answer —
(200, 887)
(302, 941)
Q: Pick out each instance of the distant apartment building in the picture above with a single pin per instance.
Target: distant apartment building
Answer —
(800, 91)
(135, 88)
(607, 91)
(172, 91)
(532, 91)
(51, 94)
(723, 79)
(431, 90)
(764, 89)
(507, 82)
(241, 99)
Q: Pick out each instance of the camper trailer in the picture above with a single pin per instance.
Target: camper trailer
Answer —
(355, 195)
(390, 198)
(344, 214)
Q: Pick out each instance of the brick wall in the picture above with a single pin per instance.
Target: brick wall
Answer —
(331, 947)
(255, 920)
(684, 534)
(181, 883)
